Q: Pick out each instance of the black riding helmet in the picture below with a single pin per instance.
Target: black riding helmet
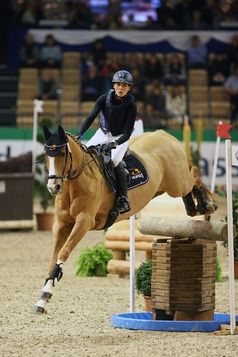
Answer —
(122, 77)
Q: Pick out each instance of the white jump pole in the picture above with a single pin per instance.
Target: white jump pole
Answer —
(132, 263)
(37, 109)
(214, 172)
(230, 236)
(138, 130)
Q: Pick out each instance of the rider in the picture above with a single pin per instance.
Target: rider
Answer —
(117, 114)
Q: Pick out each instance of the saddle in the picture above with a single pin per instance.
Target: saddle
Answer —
(137, 175)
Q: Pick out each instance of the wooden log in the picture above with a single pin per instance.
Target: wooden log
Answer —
(121, 267)
(119, 254)
(117, 245)
(125, 236)
(184, 228)
(17, 224)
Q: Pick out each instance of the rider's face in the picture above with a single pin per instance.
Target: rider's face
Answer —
(121, 89)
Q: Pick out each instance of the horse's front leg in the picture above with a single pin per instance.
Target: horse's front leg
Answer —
(80, 228)
(60, 234)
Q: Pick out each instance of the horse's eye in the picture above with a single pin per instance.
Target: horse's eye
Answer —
(62, 153)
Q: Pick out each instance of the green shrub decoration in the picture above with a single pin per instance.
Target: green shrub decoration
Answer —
(143, 278)
(218, 271)
(93, 261)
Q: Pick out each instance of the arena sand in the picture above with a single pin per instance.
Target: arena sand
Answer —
(78, 322)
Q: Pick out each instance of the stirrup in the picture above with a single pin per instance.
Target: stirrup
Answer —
(123, 204)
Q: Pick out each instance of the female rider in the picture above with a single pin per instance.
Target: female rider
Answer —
(117, 114)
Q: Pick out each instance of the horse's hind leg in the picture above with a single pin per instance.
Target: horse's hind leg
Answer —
(204, 205)
(55, 269)
(202, 195)
(189, 204)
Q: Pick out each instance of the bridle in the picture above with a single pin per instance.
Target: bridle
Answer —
(69, 175)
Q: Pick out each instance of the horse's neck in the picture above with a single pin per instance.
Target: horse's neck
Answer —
(77, 152)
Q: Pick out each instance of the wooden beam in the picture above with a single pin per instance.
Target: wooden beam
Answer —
(120, 245)
(125, 236)
(17, 224)
(183, 228)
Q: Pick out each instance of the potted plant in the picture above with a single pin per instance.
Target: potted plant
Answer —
(93, 261)
(143, 282)
(44, 218)
(46, 200)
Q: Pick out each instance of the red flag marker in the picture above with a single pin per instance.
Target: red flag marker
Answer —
(223, 130)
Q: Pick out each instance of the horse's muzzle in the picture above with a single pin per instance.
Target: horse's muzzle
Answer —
(55, 188)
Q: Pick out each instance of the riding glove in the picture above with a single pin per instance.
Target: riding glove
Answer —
(78, 136)
(108, 146)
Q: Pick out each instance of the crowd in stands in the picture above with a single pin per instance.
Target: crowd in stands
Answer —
(180, 14)
(160, 80)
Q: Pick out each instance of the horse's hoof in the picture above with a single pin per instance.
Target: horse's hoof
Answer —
(45, 296)
(39, 310)
(191, 213)
(211, 207)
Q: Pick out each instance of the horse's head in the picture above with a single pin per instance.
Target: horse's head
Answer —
(58, 158)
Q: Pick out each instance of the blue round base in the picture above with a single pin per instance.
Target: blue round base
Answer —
(143, 321)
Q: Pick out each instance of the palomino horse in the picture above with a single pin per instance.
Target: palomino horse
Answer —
(83, 199)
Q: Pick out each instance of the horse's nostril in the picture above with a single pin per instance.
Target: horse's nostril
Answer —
(57, 188)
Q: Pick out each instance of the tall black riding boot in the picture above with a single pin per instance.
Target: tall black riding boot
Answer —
(122, 201)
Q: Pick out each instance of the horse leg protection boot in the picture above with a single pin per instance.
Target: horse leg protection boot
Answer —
(122, 179)
(201, 200)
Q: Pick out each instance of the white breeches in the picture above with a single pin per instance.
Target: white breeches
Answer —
(118, 153)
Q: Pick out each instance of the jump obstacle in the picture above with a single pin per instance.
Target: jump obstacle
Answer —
(117, 239)
(183, 277)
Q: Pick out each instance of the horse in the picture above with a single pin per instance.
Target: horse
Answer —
(83, 199)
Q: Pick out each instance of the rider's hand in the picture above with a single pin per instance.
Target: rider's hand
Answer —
(78, 136)
(108, 146)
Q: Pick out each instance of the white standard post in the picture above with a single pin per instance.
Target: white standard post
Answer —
(37, 109)
(214, 173)
(230, 236)
(132, 263)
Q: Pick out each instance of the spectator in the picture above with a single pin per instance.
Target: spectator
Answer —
(98, 51)
(32, 14)
(91, 84)
(231, 87)
(196, 53)
(218, 69)
(51, 54)
(153, 67)
(232, 53)
(139, 90)
(152, 118)
(154, 95)
(29, 53)
(176, 104)
(150, 24)
(47, 85)
(181, 14)
(80, 15)
(197, 22)
(166, 15)
(175, 69)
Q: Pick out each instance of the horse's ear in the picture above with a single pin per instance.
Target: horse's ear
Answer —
(61, 132)
(46, 131)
